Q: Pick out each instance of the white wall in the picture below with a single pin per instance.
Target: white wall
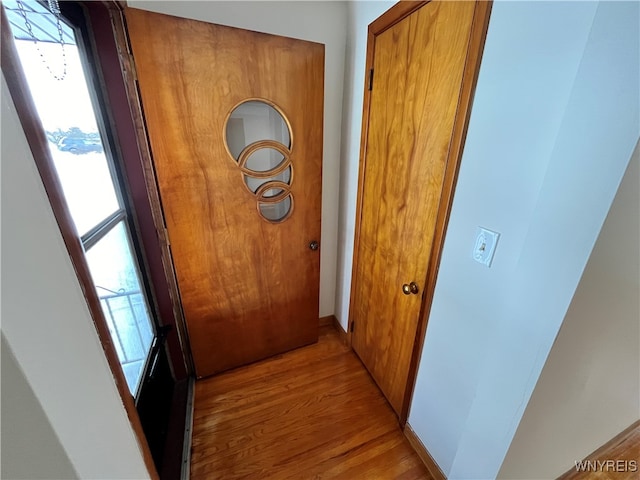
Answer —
(47, 324)
(589, 388)
(360, 15)
(322, 22)
(554, 122)
(30, 448)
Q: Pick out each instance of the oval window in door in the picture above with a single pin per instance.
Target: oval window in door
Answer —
(259, 139)
(276, 212)
(255, 121)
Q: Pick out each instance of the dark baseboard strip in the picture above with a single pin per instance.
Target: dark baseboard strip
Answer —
(332, 321)
(344, 336)
(326, 321)
(188, 431)
(423, 453)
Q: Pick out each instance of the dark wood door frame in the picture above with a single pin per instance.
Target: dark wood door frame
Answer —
(395, 14)
(109, 35)
(163, 408)
(30, 122)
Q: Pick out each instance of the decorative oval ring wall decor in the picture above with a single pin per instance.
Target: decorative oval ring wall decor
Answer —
(259, 139)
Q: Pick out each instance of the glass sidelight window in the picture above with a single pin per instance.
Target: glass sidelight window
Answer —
(79, 144)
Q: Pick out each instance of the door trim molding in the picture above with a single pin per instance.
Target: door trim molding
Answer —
(394, 15)
(129, 78)
(475, 49)
(29, 120)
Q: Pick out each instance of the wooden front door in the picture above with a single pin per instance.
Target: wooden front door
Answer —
(234, 120)
(424, 68)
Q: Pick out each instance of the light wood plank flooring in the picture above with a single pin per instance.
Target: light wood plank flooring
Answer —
(312, 413)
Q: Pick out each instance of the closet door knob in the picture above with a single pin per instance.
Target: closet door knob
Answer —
(409, 288)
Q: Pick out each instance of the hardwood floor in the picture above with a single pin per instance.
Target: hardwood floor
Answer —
(312, 413)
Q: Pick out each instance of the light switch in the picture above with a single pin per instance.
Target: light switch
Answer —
(485, 246)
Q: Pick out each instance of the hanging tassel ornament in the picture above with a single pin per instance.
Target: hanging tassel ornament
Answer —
(54, 8)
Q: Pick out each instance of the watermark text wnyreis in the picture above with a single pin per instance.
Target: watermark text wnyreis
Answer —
(618, 466)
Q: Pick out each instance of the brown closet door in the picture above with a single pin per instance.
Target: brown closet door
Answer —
(418, 66)
(234, 120)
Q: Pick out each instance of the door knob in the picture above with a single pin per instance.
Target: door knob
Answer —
(409, 288)
(314, 245)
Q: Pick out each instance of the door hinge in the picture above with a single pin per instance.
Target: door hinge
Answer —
(128, 66)
(352, 325)
(133, 70)
(166, 237)
(371, 79)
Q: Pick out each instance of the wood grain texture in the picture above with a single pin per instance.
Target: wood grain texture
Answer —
(395, 14)
(147, 186)
(249, 288)
(477, 39)
(37, 140)
(623, 448)
(310, 413)
(424, 454)
(418, 69)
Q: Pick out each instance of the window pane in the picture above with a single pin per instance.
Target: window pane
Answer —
(253, 121)
(67, 115)
(123, 302)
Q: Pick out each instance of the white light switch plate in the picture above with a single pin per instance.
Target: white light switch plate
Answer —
(485, 246)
